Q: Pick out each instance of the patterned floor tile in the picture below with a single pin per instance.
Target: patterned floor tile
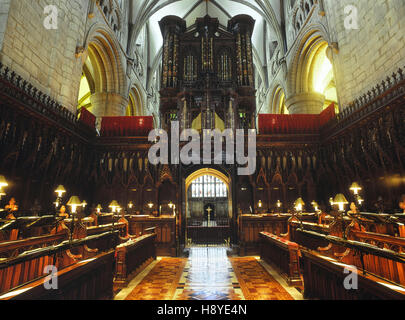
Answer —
(208, 274)
(256, 282)
(161, 282)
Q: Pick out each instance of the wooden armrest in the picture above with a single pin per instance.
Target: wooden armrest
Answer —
(90, 250)
(326, 248)
(124, 239)
(343, 254)
(73, 256)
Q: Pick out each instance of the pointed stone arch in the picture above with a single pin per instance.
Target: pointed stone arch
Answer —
(136, 103)
(303, 95)
(102, 63)
(277, 104)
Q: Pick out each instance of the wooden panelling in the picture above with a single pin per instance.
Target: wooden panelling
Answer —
(85, 280)
(324, 279)
(132, 255)
(29, 265)
(165, 229)
(284, 255)
(250, 227)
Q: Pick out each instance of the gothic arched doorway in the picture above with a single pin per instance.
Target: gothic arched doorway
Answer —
(208, 208)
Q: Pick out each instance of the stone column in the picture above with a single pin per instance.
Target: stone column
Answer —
(306, 103)
(108, 104)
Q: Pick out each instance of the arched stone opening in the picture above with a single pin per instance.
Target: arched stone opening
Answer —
(312, 79)
(208, 200)
(278, 102)
(135, 105)
(102, 84)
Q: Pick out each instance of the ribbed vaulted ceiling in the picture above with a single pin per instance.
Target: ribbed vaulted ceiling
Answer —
(267, 14)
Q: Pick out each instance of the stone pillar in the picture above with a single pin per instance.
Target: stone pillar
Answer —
(108, 104)
(306, 103)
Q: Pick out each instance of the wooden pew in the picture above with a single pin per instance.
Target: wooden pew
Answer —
(324, 279)
(131, 256)
(282, 254)
(392, 270)
(249, 227)
(165, 229)
(106, 218)
(106, 228)
(10, 249)
(26, 227)
(29, 265)
(90, 279)
(389, 224)
(376, 255)
(381, 262)
(306, 241)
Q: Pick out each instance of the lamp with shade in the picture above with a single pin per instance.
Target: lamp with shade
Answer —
(299, 204)
(341, 201)
(355, 187)
(74, 202)
(150, 206)
(99, 208)
(114, 206)
(315, 205)
(60, 190)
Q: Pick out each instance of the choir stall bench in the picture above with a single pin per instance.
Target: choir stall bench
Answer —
(131, 257)
(282, 254)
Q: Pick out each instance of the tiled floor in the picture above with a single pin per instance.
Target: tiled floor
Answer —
(208, 274)
(161, 282)
(256, 282)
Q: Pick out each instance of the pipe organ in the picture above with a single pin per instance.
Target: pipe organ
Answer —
(207, 74)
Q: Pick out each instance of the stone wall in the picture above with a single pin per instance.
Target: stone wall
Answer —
(4, 9)
(52, 59)
(44, 57)
(370, 53)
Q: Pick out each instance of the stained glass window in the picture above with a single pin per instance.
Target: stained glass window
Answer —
(208, 187)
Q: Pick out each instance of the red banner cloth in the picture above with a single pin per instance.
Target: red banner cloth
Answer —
(295, 123)
(288, 124)
(87, 117)
(126, 126)
(327, 115)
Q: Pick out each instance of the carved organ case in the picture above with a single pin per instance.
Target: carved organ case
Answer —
(207, 74)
